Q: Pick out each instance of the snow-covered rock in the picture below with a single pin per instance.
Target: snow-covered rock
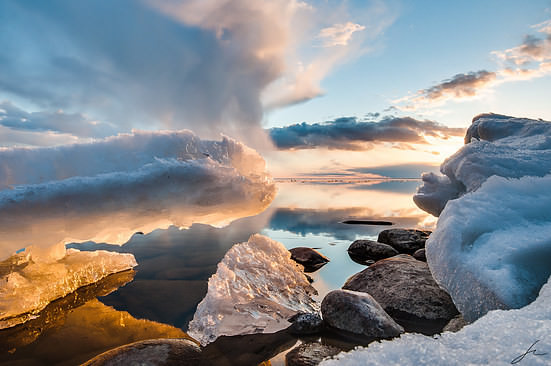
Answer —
(255, 289)
(499, 338)
(32, 279)
(492, 245)
(109, 189)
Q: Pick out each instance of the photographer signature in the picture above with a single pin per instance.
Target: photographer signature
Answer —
(528, 351)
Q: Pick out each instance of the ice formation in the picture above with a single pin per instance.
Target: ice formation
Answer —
(501, 337)
(109, 189)
(33, 278)
(492, 245)
(255, 289)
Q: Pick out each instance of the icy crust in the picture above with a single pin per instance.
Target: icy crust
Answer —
(108, 190)
(498, 338)
(34, 278)
(494, 145)
(492, 247)
(255, 289)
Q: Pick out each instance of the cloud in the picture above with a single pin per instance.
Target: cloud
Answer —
(531, 59)
(339, 34)
(348, 133)
(209, 65)
(60, 122)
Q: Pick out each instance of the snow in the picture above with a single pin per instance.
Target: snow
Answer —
(30, 280)
(255, 289)
(492, 245)
(499, 338)
(107, 190)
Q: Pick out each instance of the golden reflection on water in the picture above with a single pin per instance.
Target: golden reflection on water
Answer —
(77, 327)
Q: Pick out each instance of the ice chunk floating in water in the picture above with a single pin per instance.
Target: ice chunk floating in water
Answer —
(492, 245)
(499, 338)
(255, 289)
(32, 279)
(109, 189)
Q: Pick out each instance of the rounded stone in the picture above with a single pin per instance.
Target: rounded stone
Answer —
(305, 324)
(363, 250)
(310, 354)
(358, 313)
(404, 240)
(311, 259)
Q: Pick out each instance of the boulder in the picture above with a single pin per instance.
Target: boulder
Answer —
(456, 324)
(420, 255)
(361, 251)
(358, 313)
(305, 323)
(158, 352)
(404, 287)
(310, 354)
(311, 259)
(404, 240)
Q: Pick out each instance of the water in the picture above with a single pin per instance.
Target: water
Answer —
(160, 297)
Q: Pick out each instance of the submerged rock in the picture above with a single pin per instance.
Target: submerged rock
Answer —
(311, 259)
(363, 250)
(306, 323)
(404, 240)
(405, 289)
(154, 352)
(420, 255)
(358, 313)
(310, 354)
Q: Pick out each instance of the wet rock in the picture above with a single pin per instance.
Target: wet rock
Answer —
(158, 352)
(358, 313)
(404, 240)
(310, 354)
(305, 323)
(420, 255)
(311, 259)
(404, 287)
(361, 251)
(456, 324)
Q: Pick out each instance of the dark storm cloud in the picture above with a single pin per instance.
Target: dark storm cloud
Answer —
(348, 133)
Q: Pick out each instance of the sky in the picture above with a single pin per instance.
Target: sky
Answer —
(317, 87)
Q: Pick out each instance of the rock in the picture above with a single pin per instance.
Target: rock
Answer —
(362, 250)
(456, 324)
(358, 313)
(311, 259)
(404, 287)
(310, 354)
(305, 323)
(158, 352)
(420, 255)
(404, 240)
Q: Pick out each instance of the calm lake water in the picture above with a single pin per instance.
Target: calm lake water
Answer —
(159, 298)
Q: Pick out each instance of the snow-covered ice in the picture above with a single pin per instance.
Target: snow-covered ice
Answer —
(255, 289)
(107, 190)
(492, 245)
(32, 279)
(498, 338)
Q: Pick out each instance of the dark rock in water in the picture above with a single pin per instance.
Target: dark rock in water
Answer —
(362, 250)
(456, 324)
(247, 350)
(358, 313)
(310, 279)
(404, 240)
(311, 259)
(158, 352)
(404, 287)
(368, 222)
(420, 255)
(310, 354)
(305, 323)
